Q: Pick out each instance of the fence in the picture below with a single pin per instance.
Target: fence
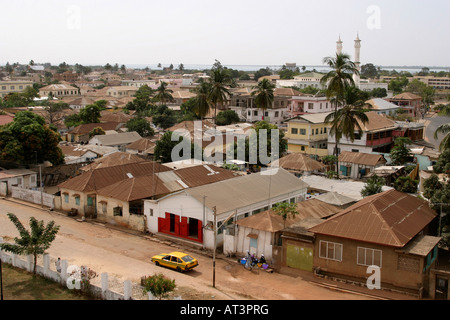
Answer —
(36, 197)
(65, 277)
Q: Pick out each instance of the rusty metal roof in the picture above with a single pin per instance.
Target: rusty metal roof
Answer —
(391, 218)
(298, 162)
(99, 178)
(367, 159)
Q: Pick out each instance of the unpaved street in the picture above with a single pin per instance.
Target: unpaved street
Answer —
(127, 257)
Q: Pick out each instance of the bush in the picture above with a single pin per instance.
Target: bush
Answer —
(158, 285)
(406, 184)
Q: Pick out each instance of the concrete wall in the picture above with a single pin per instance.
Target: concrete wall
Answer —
(32, 196)
(47, 270)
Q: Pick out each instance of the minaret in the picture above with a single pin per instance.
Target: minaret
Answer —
(339, 45)
(357, 61)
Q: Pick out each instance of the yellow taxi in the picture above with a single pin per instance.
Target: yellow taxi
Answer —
(176, 260)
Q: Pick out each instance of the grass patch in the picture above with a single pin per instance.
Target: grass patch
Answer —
(21, 285)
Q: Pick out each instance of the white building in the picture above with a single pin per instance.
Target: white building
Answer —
(382, 106)
(190, 213)
(21, 178)
(310, 79)
(120, 141)
(299, 105)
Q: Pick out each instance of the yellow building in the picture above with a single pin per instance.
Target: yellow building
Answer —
(308, 134)
(7, 87)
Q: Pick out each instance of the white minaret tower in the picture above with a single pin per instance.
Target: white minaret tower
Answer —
(339, 45)
(357, 61)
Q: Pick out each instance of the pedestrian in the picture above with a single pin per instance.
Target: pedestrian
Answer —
(58, 265)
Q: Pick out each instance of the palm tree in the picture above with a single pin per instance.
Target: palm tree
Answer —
(445, 143)
(345, 122)
(202, 101)
(264, 94)
(219, 92)
(339, 78)
(163, 95)
(444, 129)
(34, 242)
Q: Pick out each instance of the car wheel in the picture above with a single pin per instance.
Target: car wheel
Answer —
(179, 269)
(157, 264)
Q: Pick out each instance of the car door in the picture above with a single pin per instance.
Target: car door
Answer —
(165, 261)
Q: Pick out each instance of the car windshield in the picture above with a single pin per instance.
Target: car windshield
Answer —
(187, 259)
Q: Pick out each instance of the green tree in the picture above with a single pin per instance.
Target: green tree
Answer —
(202, 100)
(400, 153)
(444, 129)
(165, 145)
(141, 126)
(345, 122)
(73, 120)
(431, 185)
(264, 94)
(158, 285)
(406, 184)
(397, 85)
(97, 132)
(262, 73)
(219, 92)
(227, 117)
(285, 210)
(90, 114)
(443, 163)
(369, 71)
(28, 139)
(339, 78)
(164, 117)
(163, 94)
(54, 112)
(34, 242)
(373, 186)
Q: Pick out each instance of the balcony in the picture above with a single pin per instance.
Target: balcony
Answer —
(379, 142)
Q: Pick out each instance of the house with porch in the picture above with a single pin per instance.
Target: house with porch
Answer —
(389, 230)
(357, 165)
(191, 213)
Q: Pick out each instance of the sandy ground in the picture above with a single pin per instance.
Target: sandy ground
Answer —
(127, 256)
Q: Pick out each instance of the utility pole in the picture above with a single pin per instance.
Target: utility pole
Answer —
(40, 182)
(215, 246)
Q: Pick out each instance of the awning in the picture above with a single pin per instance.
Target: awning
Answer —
(252, 235)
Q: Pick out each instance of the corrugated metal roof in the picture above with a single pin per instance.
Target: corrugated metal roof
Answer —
(113, 159)
(361, 158)
(99, 178)
(391, 218)
(246, 190)
(298, 162)
(335, 199)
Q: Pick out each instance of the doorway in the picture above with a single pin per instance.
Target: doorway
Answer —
(441, 288)
(193, 228)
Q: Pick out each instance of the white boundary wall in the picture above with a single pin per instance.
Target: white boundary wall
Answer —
(48, 200)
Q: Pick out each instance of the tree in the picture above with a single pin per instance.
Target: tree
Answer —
(443, 129)
(373, 186)
(369, 71)
(163, 94)
(339, 78)
(202, 100)
(262, 73)
(345, 122)
(54, 112)
(28, 139)
(426, 92)
(164, 117)
(227, 117)
(141, 126)
(443, 163)
(158, 285)
(34, 242)
(406, 184)
(142, 100)
(90, 114)
(97, 132)
(264, 94)
(431, 185)
(397, 85)
(285, 210)
(73, 120)
(218, 93)
(164, 147)
(400, 153)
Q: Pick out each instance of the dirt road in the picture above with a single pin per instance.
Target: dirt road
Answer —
(127, 257)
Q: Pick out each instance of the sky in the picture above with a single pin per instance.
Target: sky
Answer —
(244, 32)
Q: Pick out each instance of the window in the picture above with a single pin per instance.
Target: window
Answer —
(325, 130)
(277, 114)
(66, 198)
(294, 131)
(266, 114)
(117, 211)
(330, 250)
(77, 201)
(317, 131)
(255, 113)
(310, 106)
(151, 212)
(303, 148)
(369, 257)
(104, 207)
(303, 131)
(355, 150)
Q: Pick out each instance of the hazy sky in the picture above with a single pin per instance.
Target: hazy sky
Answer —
(244, 32)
